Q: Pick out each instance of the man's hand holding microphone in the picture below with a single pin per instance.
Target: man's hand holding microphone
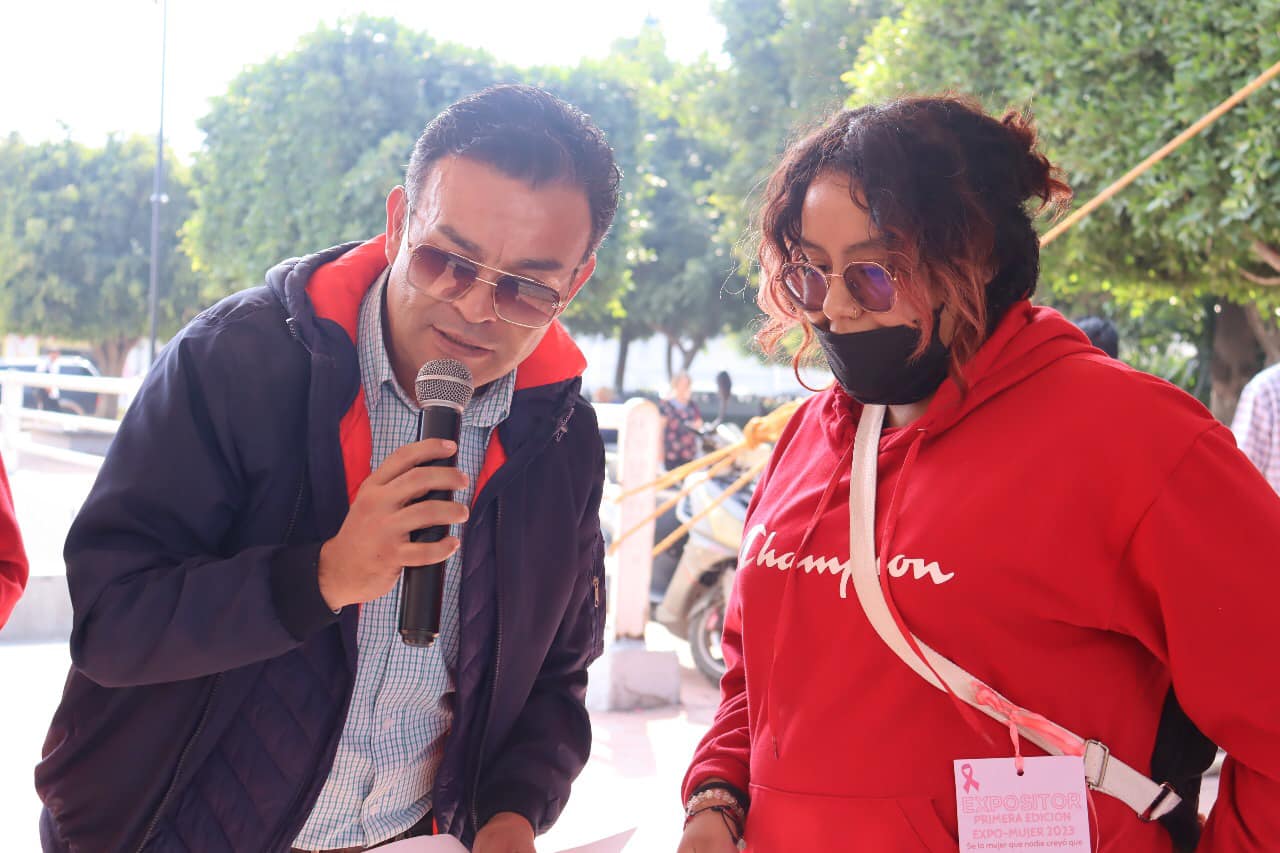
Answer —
(363, 561)
(401, 515)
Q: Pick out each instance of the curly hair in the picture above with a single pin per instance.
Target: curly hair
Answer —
(947, 184)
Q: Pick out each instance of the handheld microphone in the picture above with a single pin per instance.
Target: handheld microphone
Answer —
(443, 389)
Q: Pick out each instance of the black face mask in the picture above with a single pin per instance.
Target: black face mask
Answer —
(875, 367)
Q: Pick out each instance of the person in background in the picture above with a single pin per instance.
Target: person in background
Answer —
(1102, 334)
(1083, 541)
(47, 398)
(238, 682)
(680, 422)
(724, 393)
(14, 569)
(1256, 424)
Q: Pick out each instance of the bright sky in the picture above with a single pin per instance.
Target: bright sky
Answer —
(94, 65)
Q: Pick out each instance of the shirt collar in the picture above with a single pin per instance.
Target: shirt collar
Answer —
(375, 364)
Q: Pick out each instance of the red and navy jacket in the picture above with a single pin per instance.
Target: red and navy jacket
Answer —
(210, 681)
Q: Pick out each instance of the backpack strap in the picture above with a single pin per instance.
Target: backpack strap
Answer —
(1103, 771)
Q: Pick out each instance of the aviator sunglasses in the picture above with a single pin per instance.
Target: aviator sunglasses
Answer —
(872, 286)
(448, 276)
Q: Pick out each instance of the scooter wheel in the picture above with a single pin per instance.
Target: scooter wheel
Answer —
(706, 625)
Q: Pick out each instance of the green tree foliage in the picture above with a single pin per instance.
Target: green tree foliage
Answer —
(75, 243)
(686, 283)
(787, 58)
(1109, 82)
(300, 152)
(302, 149)
(681, 281)
(613, 93)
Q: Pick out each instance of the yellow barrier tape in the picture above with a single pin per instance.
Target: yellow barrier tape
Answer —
(733, 489)
(668, 504)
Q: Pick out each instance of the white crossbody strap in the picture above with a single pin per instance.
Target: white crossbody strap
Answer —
(1103, 771)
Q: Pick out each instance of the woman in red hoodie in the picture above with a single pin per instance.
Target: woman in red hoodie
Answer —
(1051, 537)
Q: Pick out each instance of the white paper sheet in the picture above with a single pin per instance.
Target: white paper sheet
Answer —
(612, 844)
(449, 844)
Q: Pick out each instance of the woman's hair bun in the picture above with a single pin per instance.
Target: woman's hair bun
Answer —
(1034, 176)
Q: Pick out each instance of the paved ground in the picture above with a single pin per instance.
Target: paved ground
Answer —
(636, 764)
(35, 672)
(638, 759)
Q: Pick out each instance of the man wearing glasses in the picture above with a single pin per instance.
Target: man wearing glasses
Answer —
(238, 682)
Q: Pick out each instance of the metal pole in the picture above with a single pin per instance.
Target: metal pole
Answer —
(1133, 174)
(157, 194)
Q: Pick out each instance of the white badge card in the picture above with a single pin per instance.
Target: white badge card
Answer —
(1043, 809)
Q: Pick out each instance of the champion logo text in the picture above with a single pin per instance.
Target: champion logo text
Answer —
(757, 548)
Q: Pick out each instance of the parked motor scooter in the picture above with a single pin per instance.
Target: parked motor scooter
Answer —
(710, 439)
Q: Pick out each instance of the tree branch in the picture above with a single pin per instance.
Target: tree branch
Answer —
(1265, 330)
(1273, 281)
(1269, 254)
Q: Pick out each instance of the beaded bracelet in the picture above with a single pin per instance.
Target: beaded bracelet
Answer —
(732, 819)
(740, 795)
(713, 793)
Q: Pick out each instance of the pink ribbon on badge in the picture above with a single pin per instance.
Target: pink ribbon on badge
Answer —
(969, 781)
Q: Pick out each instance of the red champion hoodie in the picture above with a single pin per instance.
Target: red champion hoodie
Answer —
(13, 557)
(1078, 534)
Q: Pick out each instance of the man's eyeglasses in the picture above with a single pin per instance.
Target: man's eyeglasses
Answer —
(872, 286)
(448, 276)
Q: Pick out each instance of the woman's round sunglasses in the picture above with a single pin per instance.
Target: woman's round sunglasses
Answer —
(872, 286)
(447, 276)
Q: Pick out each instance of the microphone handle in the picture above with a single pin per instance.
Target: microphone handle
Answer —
(422, 587)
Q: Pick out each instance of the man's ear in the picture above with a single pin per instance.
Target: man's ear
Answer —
(397, 208)
(584, 273)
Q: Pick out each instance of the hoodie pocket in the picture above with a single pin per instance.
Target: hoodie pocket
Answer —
(785, 821)
(924, 818)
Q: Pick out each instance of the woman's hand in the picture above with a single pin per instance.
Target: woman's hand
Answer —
(707, 833)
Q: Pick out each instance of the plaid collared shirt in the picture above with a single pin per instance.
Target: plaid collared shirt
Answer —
(1257, 423)
(381, 779)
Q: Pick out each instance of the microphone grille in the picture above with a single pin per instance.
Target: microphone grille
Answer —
(444, 381)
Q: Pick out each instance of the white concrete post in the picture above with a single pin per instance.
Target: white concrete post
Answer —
(629, 675)
(639, 454)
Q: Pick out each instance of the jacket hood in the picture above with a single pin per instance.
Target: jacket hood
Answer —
(329, 285)
(1026, 341)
